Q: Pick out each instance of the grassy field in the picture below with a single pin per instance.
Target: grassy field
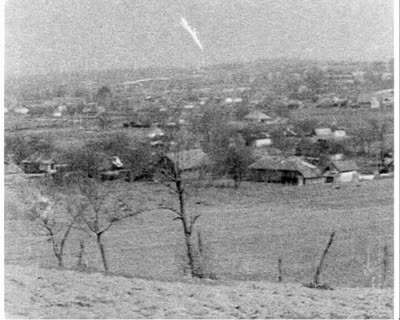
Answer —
(245, 231)
(50, 293)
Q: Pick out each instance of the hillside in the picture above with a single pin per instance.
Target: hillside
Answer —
(51, 293)
(245, 231)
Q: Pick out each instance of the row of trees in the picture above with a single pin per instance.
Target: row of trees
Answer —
(92, 208)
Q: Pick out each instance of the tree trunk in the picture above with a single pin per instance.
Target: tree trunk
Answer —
(187, 229)
(190, 254)
(60, 260)
(102, 252)
(319, 268)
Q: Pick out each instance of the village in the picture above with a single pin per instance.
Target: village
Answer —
(292, 123)
(209, 159)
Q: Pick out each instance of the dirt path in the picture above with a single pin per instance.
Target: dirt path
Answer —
(51, 293)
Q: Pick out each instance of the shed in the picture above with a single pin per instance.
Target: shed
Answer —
(257, 116)
(293, 170)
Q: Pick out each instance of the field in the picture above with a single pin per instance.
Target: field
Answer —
(40, 293)
(244, 233)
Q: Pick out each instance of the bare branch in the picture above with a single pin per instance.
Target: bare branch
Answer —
(170, 177)
(61, 249)
(105, 229)
(172, 209)
(168, 186)
(193, 222)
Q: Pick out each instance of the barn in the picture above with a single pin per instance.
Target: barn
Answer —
(293, 170)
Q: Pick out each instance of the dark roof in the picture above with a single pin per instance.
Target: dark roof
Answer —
(189, 159)
(307, 170)
(345, 165)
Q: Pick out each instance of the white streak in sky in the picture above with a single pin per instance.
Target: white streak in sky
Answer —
(192, 32)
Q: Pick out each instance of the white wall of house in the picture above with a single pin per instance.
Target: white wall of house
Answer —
(345, 177)
(262, 142)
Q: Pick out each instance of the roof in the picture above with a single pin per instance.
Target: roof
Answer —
(345, 165)
(323, 132)
(257, 115)
(156, 132)
(307, 170)
(21, 110)
(189, 159)
(364, 98)
(12, 168)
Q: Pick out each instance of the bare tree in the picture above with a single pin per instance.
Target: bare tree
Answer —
(172, 177)
(99, 210)
(55, 214)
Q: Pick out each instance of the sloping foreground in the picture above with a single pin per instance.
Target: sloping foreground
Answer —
(51, 293)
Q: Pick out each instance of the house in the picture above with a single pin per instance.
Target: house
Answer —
(40, 163)
(387, 76)
(21, 110)
(325, 134)
(90, 108)
(192, 163)
(263, 142)
(293, 170)
(364, 100)
(341, 171)
(111, 167)
(257, 117)
(295, 104)
(359, 76)
(257, 140)
(385, 97)
(156, 133)
(339, 134)
(321, 134)
(11, 168)
(326, 103)
(375, 103)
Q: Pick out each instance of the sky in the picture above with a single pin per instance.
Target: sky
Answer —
(43, 36)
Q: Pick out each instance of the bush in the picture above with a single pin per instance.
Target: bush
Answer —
(22, 146)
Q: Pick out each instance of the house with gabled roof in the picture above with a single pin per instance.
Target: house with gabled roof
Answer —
(341, 171)
(325, 134)
(192, 163)
(42, 163)
(257, 117)
(293, 170)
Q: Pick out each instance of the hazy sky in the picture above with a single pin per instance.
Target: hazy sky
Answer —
(56, 35)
